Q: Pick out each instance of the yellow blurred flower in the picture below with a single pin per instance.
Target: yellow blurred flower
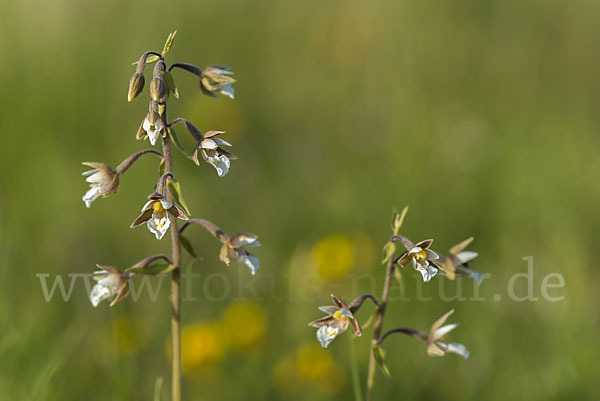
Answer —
(245, 323)
(286, 381)
(310, 365)
(203, 344)
(364, 251)
(334, 255)
(128, 336)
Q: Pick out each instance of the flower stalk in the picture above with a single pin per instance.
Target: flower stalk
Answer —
(380, 313)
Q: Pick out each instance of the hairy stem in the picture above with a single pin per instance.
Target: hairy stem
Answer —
(385, 295)
(404, 330)
(125, 164)
(175, 282)
(193, 130)
(145, 262)
(187, 67)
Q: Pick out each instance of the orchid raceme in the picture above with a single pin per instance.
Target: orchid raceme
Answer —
(422, 258)
(111, 283)
(338, 319)
(216, 79)
(155, 214)
(210, 147)
(162, 210)
(427, 262)
(104, 181)
(455, 265)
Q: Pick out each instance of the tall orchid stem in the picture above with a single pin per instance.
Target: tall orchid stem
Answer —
(385, 295)
(175, 281)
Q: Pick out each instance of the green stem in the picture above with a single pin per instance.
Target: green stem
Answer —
(354, 370)
(175, 283)
(378, 327)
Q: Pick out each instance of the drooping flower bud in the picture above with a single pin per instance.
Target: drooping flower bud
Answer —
(158, 90)
(136, 85)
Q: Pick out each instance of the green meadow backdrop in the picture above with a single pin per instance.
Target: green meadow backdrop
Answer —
(481, 115)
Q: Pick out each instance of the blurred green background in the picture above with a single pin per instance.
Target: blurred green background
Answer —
(481, 115)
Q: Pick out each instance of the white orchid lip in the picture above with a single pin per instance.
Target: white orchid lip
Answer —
(159, 225)
(103, 182)
(326, 335)
(111, 283)
(91, 195)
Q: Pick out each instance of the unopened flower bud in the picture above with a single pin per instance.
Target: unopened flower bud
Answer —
(136, 85)
(158, 90)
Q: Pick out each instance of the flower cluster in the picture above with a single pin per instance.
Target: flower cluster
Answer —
(429, 264)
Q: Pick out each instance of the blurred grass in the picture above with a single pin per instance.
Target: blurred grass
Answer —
(482, 115)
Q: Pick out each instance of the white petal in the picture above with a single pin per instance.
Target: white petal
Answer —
(227, 90)
(346, 312)
(97, 177)
(208, 143)
(329, 309)
(91, 195)
(428, 272)
(221, 142)
(459, 349)
(416, 249)
(146, 125)
(89, 172)
(246, 240)
(251, 261)
(166, 204)
(159, 226)
(326, 335)
(465, 256)
(431, 254)
(443, 331)
(147, 205)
